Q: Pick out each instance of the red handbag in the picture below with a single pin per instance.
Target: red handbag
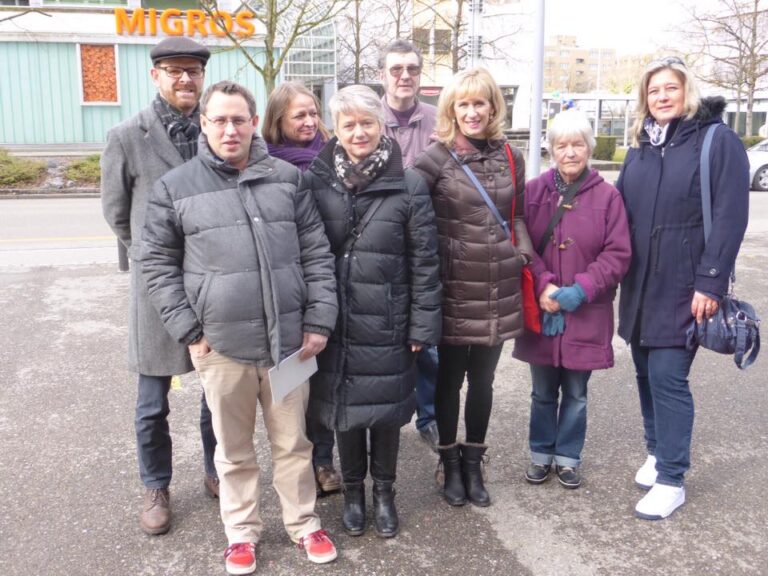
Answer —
(531, 314)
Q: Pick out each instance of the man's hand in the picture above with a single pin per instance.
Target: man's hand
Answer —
(547, 303)
(199, 348)
(312, 346)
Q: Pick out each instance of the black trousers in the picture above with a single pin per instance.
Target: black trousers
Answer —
(353, 454)
(478, 363)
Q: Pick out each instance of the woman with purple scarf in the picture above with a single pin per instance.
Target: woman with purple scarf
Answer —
(295, 133)
(292, 126)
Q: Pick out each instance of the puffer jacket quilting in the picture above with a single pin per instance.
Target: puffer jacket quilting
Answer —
(240, 256)
(389, 296)
(480, 267)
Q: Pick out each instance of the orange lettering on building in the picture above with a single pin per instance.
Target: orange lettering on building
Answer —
(153, 22)
(136, 21)
(216, 22)
(170, 23)
(175, 22)
(246, 26)
(196, 23)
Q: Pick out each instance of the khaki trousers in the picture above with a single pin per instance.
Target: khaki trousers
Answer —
(232, 390)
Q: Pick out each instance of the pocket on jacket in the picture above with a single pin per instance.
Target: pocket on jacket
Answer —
(207, 281)
(686, 269)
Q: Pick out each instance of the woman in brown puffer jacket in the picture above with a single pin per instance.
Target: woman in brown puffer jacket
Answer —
(480, 266)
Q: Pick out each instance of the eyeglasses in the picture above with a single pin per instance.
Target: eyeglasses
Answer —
(222, 121)
(667, 61)
(177, 72)
(397, 71)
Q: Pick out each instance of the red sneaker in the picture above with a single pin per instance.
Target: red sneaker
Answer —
(241, 558)
(319, 547)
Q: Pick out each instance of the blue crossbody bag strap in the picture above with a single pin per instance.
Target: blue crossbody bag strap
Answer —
(706, 191)
(491, 206)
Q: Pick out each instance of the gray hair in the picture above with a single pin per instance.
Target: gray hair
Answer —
(571, 122)
(356, 99)
(398, 46)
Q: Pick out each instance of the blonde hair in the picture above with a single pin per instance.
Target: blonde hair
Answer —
(472, 82)
(278, 103)
(356, 99)
(570, 123)
(690, 92)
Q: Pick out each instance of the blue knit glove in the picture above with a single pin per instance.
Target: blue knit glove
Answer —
(552, 324)
(569, 297)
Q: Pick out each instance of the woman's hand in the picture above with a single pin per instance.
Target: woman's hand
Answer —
(415, 347)
(547, 303)
(703, 307)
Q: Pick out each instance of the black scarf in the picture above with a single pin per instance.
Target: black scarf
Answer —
(182, 130)
(357, 176)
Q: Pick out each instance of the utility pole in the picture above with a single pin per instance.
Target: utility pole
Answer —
(475, 39)
(534, 132)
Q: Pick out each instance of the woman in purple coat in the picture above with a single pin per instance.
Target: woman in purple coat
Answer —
(578, 265)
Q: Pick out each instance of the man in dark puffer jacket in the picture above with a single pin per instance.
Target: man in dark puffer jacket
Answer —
(239, 269)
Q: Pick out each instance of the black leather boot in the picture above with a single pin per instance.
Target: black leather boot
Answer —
(453, 485)
(384, 512)
(353, 518)
(471, 472)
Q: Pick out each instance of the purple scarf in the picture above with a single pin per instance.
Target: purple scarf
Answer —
(299, 156)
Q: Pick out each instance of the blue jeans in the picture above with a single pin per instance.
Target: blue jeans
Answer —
(426, 363)
(322, 443)
(557, 432)
(153, 437)
(667, 407)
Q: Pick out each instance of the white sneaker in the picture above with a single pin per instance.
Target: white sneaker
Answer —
(660, 502)
(646, 475)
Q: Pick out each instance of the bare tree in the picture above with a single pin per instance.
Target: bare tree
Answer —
(366, 28)
(734, 42)
(284, 21)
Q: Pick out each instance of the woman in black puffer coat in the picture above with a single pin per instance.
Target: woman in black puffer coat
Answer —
(389, 298)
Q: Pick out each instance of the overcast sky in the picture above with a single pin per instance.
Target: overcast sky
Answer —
(629, 26)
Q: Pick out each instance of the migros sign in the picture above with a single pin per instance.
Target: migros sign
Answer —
(174, 22)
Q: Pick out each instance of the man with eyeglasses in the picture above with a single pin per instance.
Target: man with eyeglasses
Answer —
(138, 152)
(238, 265)
(411, 123)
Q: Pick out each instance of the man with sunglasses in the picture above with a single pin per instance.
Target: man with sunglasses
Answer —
(138, 152)
(411, 123)
(237, 263)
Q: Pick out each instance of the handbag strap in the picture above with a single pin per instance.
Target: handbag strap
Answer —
(741, 344)
(491, 206)
(357, 230)
(513, 172)
(566, 203)
(706, 188)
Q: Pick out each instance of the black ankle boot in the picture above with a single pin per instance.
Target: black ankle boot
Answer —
(353, 518)
(471, 472)
(384, 512)
(453, 485)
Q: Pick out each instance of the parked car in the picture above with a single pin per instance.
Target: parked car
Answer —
(758, 166)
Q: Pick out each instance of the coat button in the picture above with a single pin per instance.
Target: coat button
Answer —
(712, 271)
(256, 219)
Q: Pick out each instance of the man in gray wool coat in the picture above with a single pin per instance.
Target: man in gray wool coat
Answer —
(138, 152)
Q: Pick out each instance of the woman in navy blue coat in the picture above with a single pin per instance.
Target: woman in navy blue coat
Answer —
(674, 277)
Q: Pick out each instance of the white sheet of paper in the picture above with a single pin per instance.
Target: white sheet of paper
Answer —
(290, 374)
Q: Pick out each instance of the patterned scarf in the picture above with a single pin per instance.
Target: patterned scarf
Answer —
(656, 133)
(357, 176)
(182, 130)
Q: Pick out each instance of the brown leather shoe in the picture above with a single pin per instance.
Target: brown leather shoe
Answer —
(156, 513)
(327, 479)
(211, 485)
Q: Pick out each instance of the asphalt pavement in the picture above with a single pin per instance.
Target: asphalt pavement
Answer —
(71, 493)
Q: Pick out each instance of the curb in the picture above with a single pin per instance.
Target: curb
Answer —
(19, 193)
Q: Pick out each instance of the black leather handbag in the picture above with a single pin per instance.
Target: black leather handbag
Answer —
(735, 328)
